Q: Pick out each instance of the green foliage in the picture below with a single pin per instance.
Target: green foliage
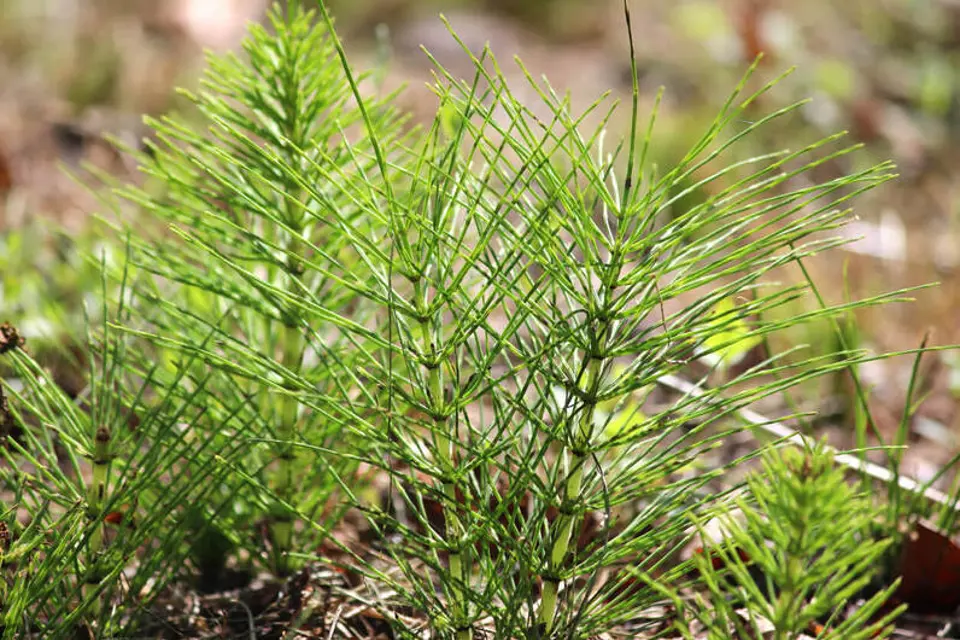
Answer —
(515, 264)
(94, 488)
(261, 205)
(481, 310)
(796, 551)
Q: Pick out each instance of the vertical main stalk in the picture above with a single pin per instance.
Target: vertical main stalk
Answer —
(292, 345)
(445, 444)
(96, 499)
(567, 522)
(575, 457)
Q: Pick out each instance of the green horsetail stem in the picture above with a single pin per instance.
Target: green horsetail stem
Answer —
(293, 346)
(96, 499)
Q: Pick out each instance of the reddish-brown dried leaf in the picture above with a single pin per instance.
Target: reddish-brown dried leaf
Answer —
(930, 571)
(120, 517)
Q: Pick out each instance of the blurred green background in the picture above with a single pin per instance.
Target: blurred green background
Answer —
(885, 70)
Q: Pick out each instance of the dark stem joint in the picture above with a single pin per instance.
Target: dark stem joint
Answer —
(439, 417)
(578, 393)
(596, 353)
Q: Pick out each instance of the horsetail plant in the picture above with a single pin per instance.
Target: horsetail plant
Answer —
(256, 257)
(796, 549)
(89, 434)
(104, 481)
(519, 277)
(480, 309)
